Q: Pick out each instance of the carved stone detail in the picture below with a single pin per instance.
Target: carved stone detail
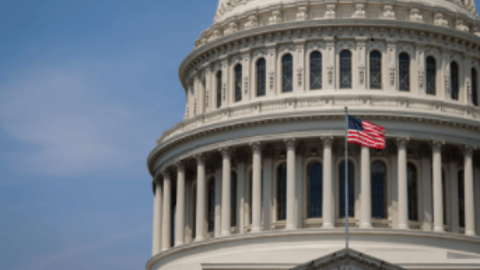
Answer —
(252, 22)
(440, 20)
(388, 12)
(415, 15)
(361, 71)
(331, 13)
(232, 28)
(276, 17)
(461, 26)
(300, 76)
(359, 11)
(302, 14)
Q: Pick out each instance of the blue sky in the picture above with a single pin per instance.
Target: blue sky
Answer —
(86, 87)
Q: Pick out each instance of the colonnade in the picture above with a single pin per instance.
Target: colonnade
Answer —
(162, 202)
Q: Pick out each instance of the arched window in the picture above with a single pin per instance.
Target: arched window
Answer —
(454, 80)
(287, 73)
(233, 198)
(379, 184)
(431, 76)
(375, 70)
(261, 77)
(315, 71)
(282, 192)
(461, 198)
(474, 87)
(412, 192)
(404, 71)
(315, 185)
(219, 89)
(211, 204)
(345, 69)
(351, 188)
(238, 83)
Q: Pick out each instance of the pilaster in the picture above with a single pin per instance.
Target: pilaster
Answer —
(299, 67)
(361, 83)
(330, 68)
(392, 84)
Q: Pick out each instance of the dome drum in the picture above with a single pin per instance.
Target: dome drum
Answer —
(253, 177)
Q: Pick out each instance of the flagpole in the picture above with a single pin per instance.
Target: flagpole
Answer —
(346, 177)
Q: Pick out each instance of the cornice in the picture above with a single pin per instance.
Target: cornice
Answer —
(202, 130)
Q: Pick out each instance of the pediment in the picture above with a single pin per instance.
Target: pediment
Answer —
(347, 259)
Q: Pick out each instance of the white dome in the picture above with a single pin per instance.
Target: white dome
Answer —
(228, 9)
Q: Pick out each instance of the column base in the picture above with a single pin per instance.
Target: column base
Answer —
(178, 244)
(165, 249)
(255, 229)
(198, 239)
(366, 226)
(470, 233)
(403, 227)
(224, 233)
(328, 226)
(438, 229)
(290, 227)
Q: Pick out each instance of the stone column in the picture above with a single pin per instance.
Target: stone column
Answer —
(437, 187)
(256, 186)
(328, 202)
(366, 189)
(226, 191)
(180, 226)
(217, 227)
(290, 183)
(453, 190)
(427, 193)
(157, 218)
(267, 191)
(469, 192)
(402, 184)
(200, 211)
(241, 198)
(167, 212)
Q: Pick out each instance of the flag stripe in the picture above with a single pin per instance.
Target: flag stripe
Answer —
(368, 135)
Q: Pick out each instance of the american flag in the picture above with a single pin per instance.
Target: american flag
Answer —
(365, 133)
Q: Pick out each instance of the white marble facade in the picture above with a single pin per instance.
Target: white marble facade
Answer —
(266, 87)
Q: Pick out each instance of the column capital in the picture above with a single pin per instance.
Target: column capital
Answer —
(402, 141)
(165, 173)
(437, 144)
(180, 165)
(225, 151)
(327, 141)
(200, 158)
(290, 142)
(256, 146)
(468, 149)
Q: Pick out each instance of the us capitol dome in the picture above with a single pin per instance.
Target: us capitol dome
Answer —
(253, 178)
